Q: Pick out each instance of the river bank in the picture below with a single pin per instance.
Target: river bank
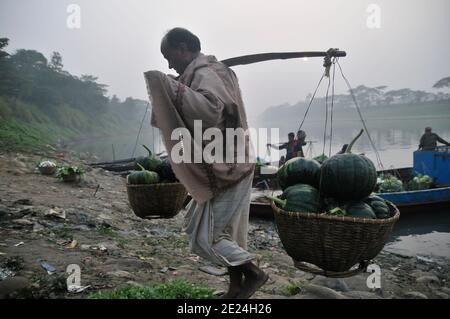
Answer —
(45, 222)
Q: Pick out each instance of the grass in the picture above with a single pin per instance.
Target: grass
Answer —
(107, 231)
(292, 290)
(17, 135)
(178, 289)
(64, 232)
(27, 127)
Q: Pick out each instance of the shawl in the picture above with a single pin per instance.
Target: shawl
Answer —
(207, 91)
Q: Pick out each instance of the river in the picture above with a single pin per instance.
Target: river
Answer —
(426, 234)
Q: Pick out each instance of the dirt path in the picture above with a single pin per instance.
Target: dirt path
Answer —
(43, 220)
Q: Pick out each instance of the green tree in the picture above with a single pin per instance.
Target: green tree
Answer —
(442, 83)
(56, 62)
(3, 44)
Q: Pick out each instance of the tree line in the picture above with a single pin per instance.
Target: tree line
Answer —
(28, 77)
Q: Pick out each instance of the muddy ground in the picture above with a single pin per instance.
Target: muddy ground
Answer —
(46, 224)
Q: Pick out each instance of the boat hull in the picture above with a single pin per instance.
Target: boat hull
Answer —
(424, 200)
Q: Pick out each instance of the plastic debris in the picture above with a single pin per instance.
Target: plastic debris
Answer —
(73, 244)
(57, 212)
(425, 259)
(164, 270)
(37, 227)
(19, 244)
(74, 289)
(50, 269)
(5, 273)
(145, 258)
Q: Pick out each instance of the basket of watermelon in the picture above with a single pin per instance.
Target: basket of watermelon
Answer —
(327, 218)
(153, 190)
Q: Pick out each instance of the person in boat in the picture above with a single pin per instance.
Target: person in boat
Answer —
(300, 142)
(290, 147)
(429, 140)
(217, 219)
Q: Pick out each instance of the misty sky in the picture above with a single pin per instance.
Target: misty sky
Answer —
(119, 40)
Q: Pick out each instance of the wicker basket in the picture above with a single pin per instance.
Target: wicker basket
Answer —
(334, 244)
(156, 200)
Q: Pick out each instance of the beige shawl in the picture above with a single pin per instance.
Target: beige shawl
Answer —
(207, 91)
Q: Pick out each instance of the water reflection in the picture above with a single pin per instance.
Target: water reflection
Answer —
(395, 140)
(426, 234)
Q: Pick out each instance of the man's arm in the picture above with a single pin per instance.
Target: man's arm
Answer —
(441, 140)
(421, 142)
(281, 147)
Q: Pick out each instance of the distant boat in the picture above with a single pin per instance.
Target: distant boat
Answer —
(435, 164)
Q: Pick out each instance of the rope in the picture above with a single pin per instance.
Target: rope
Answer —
(312, 99)
(326, 116)
(332, 105)
(380, 163)
(140, 129)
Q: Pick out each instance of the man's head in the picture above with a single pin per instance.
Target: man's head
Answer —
(428, 130)
(301, 135)
(180, 47)
(291, 137)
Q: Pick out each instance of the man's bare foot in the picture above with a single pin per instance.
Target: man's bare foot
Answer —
(255, 278)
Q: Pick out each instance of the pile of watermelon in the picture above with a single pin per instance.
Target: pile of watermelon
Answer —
(151, 170)
(342, 185)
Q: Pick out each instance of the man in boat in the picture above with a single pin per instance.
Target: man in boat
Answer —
(290, 147)
(300, 142)
(429, 140)
(217, 218)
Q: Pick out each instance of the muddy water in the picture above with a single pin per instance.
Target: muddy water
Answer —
(424, 234)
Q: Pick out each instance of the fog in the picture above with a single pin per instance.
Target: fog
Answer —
(119, 40)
